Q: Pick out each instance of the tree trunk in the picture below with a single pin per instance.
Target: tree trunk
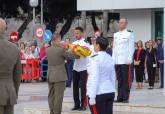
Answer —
(67, 25)
(83, 16)
(105, 23)
(52, 24)
(22, 28)
(95, 27)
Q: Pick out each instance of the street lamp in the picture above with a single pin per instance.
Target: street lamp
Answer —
(33, 4)
(41, 12)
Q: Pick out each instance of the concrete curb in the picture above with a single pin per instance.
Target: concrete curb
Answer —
(118, 107)
(139, 108)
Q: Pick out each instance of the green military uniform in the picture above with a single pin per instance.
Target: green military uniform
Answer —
(56, 77)
(10, 76)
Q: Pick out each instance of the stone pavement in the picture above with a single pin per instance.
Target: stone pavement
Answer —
(33, 100)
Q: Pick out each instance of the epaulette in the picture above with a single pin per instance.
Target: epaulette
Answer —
(94, 55)
(129, 30)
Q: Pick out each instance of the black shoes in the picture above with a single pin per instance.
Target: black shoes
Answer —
(151, 87)
(75, 108)
(82, 109)
(125, 101)
(161, 87)
(68, 86)
(79, 109)
(121, 101)
(118, 101)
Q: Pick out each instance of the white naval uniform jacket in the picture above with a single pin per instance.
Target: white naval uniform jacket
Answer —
(123, 47)
(101, 75)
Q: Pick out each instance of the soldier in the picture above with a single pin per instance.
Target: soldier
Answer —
(56, 74)
(10, 73)
(101, 79)
(123, 49)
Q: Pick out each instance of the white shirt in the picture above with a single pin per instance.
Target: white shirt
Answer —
(92, 49)
(81, 64)
(101, 75)
(29, 56)
(36, 53)
(123, 47)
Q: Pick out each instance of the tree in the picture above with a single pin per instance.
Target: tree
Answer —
(55, 11)
(59, 10)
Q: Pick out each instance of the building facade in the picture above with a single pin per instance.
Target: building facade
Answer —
(146, 17)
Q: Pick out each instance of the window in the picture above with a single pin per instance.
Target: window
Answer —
(159, 24)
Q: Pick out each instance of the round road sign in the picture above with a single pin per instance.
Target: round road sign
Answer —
(39, 32)
(14, 36)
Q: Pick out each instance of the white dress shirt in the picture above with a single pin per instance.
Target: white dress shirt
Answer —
(101, 75)
(123, 47)
(81, 64)
(36, 53)
(92, 50)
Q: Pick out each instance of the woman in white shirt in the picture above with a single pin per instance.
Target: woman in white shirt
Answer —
(101, 79)
(28, 54)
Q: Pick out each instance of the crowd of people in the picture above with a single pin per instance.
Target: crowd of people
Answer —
(32, 51)
(148, 63)
(32, 56)
(94, 77)
(144, 60)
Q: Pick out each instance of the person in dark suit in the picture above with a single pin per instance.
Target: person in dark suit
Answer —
(160, 57)
(10, 73)
(109, 51)
(57, 75)
(69, 67)
(139, 61)
(151, 64)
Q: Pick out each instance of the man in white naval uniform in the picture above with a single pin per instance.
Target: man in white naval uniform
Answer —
(123, 49)
(101, 79)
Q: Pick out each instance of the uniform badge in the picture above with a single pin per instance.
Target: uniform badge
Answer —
(94, 55)
(129, 30)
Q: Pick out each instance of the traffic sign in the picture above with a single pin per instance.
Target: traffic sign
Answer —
(47, 35)
(39, 32)
(14, 36)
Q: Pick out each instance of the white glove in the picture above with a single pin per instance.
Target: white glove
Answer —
(92, 101)
(129, 61)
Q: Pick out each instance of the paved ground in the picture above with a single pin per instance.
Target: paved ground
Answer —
(34, 95)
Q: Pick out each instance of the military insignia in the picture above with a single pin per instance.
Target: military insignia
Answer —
(129, 30)
(94, 55)
(124, 38)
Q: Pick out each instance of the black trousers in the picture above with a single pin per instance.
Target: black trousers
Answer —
(139, 72)
(104, 104)
(79, 81)
(124, 81)
(162, 75)
(151, 75)
(69, 70)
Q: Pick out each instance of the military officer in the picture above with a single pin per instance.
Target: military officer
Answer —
(101, 79)
(56, 74)
(10, 73)
(123, 49)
